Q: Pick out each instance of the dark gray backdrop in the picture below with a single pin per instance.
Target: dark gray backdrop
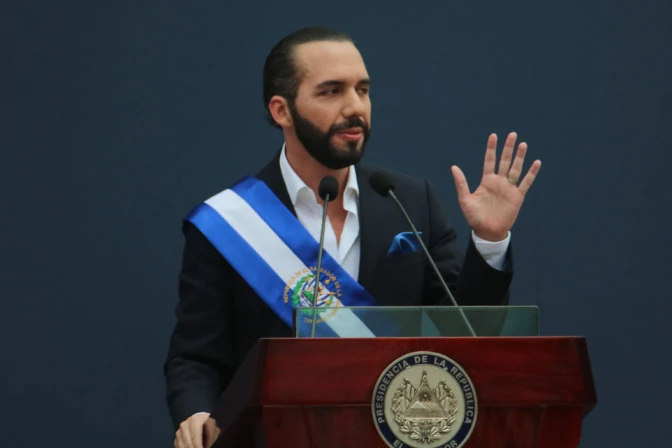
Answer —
(118, 117)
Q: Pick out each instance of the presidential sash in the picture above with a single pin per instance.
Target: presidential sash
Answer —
(268, 246)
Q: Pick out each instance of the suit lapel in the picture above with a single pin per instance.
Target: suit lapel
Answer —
(373, 241)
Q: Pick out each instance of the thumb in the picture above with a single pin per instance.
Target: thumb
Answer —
(196, 427)
(210, 434)
(460, 183)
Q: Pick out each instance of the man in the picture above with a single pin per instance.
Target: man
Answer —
(316, 90)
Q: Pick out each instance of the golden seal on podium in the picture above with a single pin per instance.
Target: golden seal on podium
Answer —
(424, 400)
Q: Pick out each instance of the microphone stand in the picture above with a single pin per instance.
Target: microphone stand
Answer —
(316, 289)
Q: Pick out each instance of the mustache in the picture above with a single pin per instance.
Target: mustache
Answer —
(351, 123)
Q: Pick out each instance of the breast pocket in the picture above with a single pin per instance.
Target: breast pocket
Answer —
(399, 261)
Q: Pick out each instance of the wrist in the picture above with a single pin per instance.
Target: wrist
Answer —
(493, 237)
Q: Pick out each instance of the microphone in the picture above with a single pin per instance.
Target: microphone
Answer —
(328, 191)
(382, 185)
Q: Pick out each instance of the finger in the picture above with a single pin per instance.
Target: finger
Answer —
(460, 183)
(530, 176)
(184, 436)
(196, 433)
(490, 155)
(517, 167)
(181, 440)
(507, 154)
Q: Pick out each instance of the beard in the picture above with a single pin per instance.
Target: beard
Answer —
(319, 145)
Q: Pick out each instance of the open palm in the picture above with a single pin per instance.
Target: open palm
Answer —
(492, 209)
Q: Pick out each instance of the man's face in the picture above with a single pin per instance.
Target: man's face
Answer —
(331, 114)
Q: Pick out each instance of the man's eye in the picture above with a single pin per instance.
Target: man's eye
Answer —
(333, 91)
(364, 90)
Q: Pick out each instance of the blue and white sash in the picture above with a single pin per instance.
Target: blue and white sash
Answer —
(268, 246)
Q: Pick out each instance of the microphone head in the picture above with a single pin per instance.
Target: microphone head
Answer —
(328, 186)
(381, 184)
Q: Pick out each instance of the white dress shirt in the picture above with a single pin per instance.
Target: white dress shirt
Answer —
(309, 213)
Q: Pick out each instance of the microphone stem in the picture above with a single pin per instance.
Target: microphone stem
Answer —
(431, 262)
(316, 289)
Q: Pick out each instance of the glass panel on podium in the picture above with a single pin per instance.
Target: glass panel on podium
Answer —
(448, 321)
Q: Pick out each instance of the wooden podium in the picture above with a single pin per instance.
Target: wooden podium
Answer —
(317, 393)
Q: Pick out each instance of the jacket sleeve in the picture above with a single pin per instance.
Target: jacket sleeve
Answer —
(198, 365)
(470, 278)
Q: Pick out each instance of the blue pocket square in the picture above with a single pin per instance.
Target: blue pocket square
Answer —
(404, 243)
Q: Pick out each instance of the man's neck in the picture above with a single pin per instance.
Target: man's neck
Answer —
(311, 171)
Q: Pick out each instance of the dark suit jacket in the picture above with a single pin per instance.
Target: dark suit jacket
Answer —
(219, 316)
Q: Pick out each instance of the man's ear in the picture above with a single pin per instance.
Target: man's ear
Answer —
(279, 110)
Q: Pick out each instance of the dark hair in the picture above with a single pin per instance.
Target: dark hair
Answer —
(281, 75)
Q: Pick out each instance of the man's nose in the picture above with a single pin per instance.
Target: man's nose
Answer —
(355, 106)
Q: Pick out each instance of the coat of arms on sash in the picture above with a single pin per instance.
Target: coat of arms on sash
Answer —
(424, 399)
(299, 294)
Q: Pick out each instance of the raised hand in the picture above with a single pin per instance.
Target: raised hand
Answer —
(492, 209)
